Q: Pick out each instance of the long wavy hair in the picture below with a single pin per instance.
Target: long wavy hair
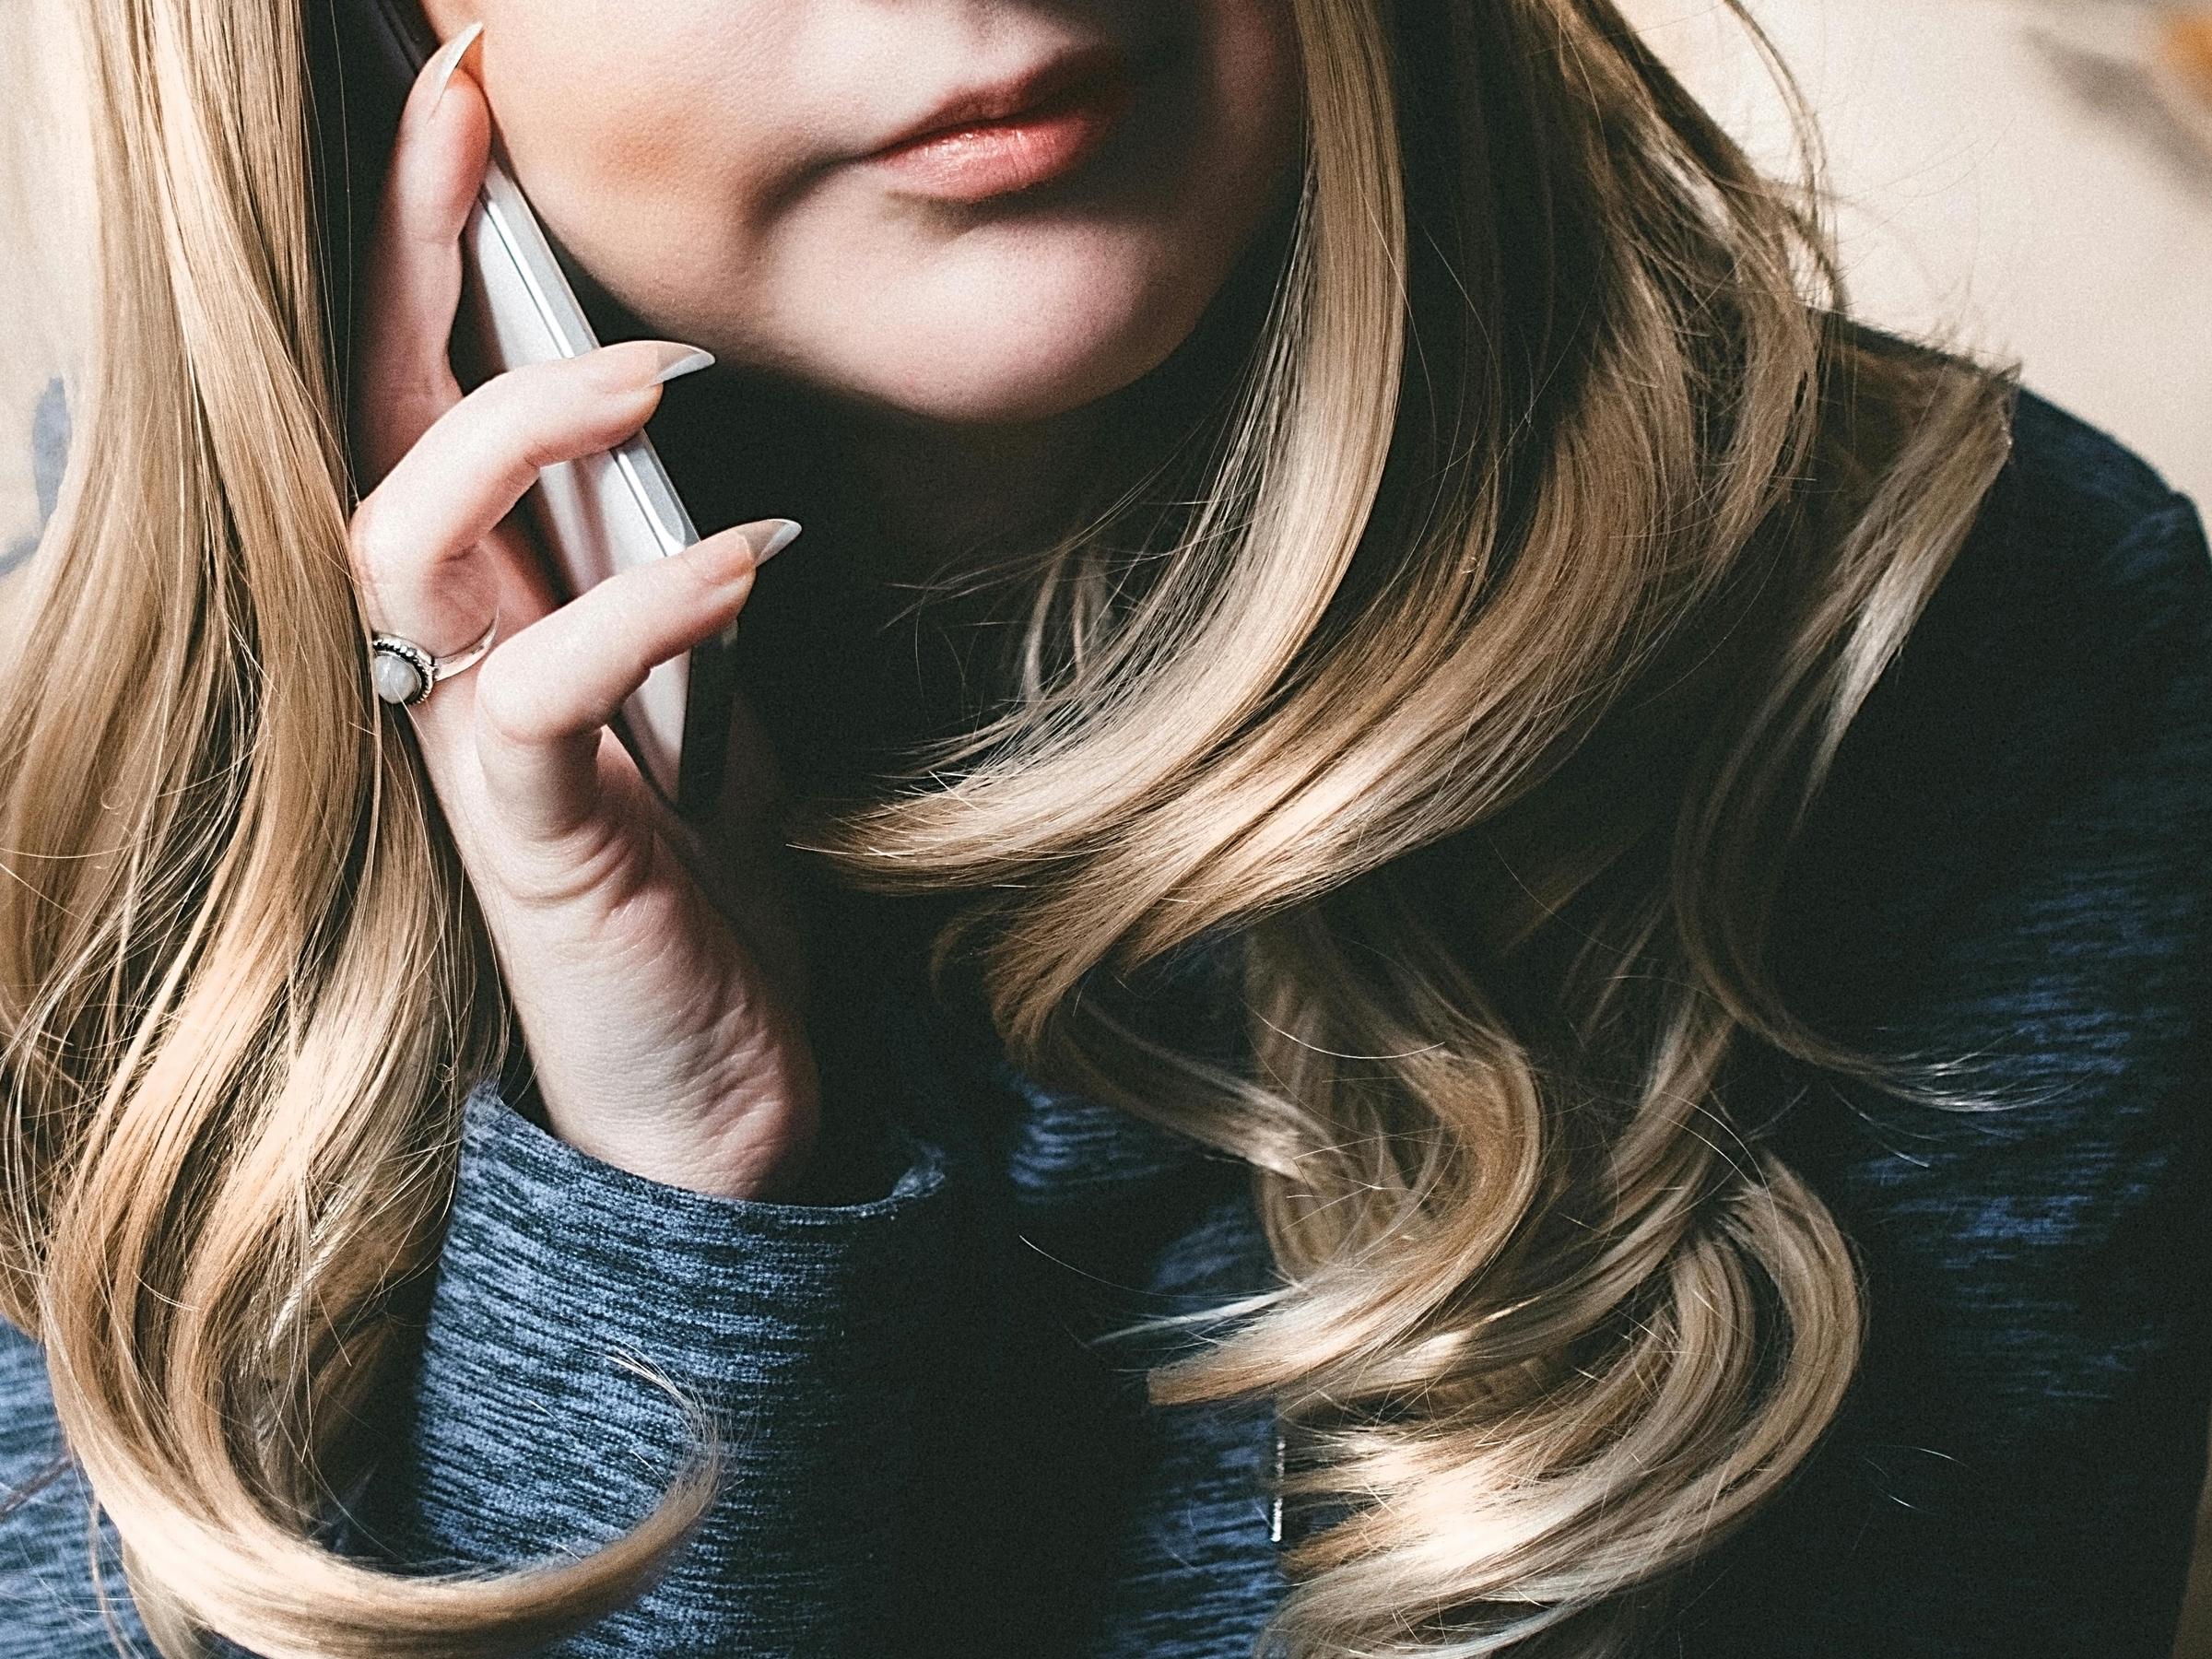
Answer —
(1557, 527)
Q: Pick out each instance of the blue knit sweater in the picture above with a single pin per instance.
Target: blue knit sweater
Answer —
(2014, 860)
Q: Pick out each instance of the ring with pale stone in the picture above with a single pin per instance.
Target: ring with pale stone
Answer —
(403, 672)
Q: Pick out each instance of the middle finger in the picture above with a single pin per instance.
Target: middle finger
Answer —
(434, 508)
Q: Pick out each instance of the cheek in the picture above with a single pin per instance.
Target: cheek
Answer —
(659, 167)
(1259, 83)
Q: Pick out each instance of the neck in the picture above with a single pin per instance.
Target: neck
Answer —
(908, 498)
(943, 493)
(846, 671)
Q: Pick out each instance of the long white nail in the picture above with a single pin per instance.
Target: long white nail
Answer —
(448, 58)
(782, 533)
(690, 362)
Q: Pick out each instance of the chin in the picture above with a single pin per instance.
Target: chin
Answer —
(1008, 341)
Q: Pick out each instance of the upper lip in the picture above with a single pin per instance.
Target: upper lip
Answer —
(1013, 95)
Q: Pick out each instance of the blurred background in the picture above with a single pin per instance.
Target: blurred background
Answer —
(2032, 178)
(44, 232)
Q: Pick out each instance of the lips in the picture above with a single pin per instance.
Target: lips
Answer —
(1011, 134)
(1044, 83)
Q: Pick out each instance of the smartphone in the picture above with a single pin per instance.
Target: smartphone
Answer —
(603, 513)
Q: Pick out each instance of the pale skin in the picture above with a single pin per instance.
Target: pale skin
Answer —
(706, 176)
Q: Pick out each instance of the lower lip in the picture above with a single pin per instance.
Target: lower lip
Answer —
(999, 157)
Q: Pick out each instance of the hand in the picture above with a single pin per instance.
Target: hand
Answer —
(662, 1026)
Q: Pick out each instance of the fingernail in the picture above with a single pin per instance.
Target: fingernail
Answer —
(677, 359)
(720, 559)
(448, 59)
(782, 533)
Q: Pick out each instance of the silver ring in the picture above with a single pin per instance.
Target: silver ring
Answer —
(404, 672)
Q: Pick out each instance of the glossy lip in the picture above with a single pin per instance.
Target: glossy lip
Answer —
(1015, 134)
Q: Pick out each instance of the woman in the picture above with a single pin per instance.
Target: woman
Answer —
(1442, 926)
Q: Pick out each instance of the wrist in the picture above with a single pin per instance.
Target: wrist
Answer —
(761, 1151)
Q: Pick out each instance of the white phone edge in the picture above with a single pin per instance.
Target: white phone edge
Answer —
(603, 513)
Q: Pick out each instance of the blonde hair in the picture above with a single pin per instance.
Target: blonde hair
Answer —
(1561, 523)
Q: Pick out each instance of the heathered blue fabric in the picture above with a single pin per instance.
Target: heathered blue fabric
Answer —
(2014, 862)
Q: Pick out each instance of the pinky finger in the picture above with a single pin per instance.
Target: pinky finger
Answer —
(544, 697)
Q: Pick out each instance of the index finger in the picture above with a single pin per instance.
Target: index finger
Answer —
(404, 377)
